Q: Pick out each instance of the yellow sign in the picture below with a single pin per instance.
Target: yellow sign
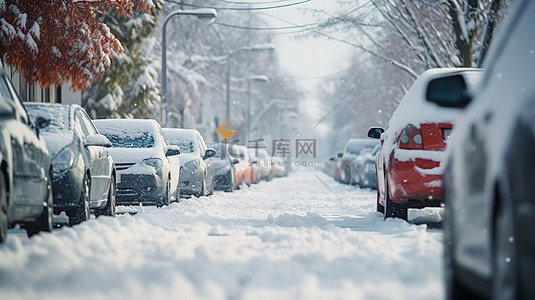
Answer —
(226, 133)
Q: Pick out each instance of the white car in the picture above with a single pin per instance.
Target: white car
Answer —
(147, 166)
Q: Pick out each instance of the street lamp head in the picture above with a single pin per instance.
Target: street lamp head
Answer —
(206, 15)
(261, 47)
(259, 78)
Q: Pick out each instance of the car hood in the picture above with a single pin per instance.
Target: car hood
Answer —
(57, 141)
(217, 162)
(187, 157)
(133, 155)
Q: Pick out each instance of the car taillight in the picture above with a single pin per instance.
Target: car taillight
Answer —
(411, 138)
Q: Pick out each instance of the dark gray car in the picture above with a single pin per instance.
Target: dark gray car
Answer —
(224, 173)
(83, 174)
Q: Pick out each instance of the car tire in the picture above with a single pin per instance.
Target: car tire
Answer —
(177, 193)
(3, 207)
(232, 183)
(392, 209)
(82, 211)
(110, 208)
(166, 197)
(44, 222)
(380, 207)
(505, 260)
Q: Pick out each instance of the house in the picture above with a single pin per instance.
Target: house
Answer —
(32, 92)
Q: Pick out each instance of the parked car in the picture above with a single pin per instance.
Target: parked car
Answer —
(242, 166)
(83, 174)
(490, 207)
(351, 151)
(25, 171)
(412, 148)
(196, 170)
(225, 175)
(254, 162)
(280, 166)
(267, 170)
(147, 166)
(364, 174)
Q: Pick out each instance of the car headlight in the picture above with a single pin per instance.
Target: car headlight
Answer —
(156, 163)
(64, 159)
(192, 164)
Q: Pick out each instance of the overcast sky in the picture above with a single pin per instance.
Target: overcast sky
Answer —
(308, 58)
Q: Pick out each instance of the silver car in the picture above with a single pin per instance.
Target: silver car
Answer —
(196, 171)
(146, 165)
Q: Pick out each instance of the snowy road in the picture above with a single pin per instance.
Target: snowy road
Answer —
(291, 238)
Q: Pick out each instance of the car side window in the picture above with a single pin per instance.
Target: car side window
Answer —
(9, 93)
(87, 124)
(80, 127)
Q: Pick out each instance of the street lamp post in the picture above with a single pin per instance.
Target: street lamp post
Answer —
(203, 14)
(255, 48)
(256, 78)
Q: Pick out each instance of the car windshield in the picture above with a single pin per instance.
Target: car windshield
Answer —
(140, 140)
(57, 116)
(355, 147)
(216, 147)
(187, 144)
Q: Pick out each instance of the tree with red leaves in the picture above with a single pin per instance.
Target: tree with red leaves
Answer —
(55, 41)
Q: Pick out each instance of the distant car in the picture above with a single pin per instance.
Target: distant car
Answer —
(225, 175)
(25, 170)
(254, 162)
(267, 170)
(147, 167)
(489, 170)
(196, 170)
(412, 148)
(83, 174)
(280, 166)
(243, 167)
(351, 151)
(364, 174)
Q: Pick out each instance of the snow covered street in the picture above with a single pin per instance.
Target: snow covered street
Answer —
(291, 238)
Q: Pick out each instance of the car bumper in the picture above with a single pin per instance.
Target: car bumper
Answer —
(416, 179)
(67, 189)
(191, 181)
(223, 181)
(134, 189)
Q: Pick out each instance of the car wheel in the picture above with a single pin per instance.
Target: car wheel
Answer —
(165, 199)
(380, 207)
(3, 207)
(110, 208)
(177, 193)
(44, 222)
(505, 259)
(232, 183)
(394, 210)
(82, 212)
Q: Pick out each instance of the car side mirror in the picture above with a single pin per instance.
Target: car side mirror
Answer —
(331, 159)
(375, 132)
(235, 161)
(97, 140)
(340, 154)
(449, 91)
(209, 153)
(172, 150)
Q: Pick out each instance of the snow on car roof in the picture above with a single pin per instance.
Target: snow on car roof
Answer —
(415, 109)
(130, 128)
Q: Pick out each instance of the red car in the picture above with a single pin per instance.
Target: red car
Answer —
(409, 173)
